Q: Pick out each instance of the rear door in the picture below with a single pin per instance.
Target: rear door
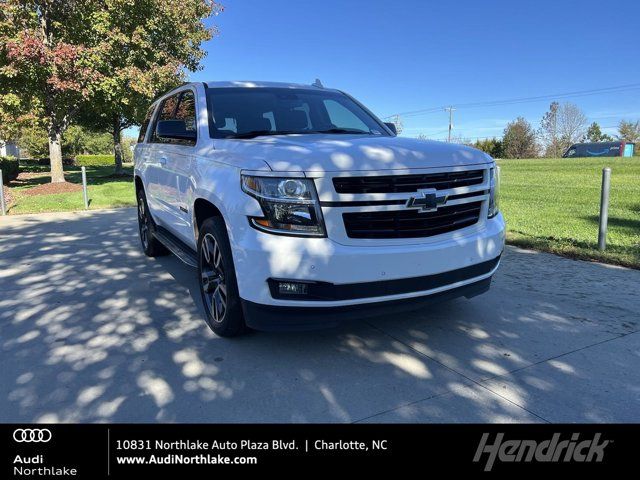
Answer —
(157, 196)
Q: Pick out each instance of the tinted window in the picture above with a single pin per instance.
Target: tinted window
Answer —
(168, 108)
(341, 115)
(241, 111)
(186, 112)
(145, 125)
(180, 107)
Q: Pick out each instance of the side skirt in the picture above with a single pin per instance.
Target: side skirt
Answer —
(180, 249)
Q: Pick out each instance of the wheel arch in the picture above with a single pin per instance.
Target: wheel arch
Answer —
(138, 183)
(202, 210)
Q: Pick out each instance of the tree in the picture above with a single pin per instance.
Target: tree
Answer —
(75, 141)
(594, 134)
(572, 124)
(149, 45)
(460, 140)
(519, 140)
(629, 131)
(560, 127)
(14, 116)
(60, 57)
(48, 59)
(549, 131)
(491, 146)
(80, 141)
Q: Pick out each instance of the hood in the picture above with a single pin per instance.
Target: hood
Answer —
(326, 153)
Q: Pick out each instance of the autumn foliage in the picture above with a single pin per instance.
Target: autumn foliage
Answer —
(98, 63)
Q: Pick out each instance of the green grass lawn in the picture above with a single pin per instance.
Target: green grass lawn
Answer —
(553, 205)
(549, 204)
(105, 191)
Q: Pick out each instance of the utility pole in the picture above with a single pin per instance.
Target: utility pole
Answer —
(450, 110)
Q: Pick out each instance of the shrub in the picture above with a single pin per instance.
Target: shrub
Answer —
(69, 162)
(95, 160)
(10, 168)
(492, 146)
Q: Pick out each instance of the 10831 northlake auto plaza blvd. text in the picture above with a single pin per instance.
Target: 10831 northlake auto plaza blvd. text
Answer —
(247, 445)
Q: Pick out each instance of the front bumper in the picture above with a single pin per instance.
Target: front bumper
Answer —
(259, 257)
(279, 318)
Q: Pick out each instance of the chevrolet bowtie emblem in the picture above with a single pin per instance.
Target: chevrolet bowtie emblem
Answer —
(427, 200)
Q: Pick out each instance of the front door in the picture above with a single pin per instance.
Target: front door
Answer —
(172, 165)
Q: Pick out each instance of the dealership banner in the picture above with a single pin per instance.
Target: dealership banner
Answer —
(123, 450)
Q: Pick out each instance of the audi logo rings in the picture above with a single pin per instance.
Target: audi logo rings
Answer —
(28, 435)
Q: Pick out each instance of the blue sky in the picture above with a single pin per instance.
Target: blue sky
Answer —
(408, 55)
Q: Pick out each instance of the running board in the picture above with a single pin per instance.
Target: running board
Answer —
(177, 246)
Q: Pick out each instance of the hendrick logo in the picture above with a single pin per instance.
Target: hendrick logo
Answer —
(553, 450)
(27, 435)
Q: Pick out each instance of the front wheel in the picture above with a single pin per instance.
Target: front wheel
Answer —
(218, 285)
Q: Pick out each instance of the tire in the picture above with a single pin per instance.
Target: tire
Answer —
(151, 246)
(217, 280)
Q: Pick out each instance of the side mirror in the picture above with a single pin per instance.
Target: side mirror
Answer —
(174, 130)
(392, 127)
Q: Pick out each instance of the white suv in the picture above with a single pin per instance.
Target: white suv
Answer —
(300, 208)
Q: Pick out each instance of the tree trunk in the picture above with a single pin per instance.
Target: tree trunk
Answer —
(55, 155)
(117, 145)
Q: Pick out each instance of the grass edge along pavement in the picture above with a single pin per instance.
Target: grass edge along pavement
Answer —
(105, 191)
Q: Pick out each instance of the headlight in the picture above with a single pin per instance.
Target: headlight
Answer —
(290, 205)
(494, 193)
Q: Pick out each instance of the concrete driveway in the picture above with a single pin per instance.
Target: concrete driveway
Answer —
(91, 330)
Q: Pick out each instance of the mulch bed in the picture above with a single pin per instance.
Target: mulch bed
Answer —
(28, 175)
(47, 188)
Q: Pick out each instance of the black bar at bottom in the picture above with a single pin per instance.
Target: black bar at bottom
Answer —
(124, 450)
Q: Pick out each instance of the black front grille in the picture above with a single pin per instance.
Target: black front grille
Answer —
(407, 183)
(410, 223)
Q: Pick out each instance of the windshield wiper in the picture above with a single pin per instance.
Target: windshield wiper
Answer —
(342, 131)
(261, 133)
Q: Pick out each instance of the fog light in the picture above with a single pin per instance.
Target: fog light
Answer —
(292, 288)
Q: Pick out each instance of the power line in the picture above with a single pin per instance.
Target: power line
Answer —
(511, 101)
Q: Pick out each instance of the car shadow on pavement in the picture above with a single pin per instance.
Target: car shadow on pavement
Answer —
(92, 330)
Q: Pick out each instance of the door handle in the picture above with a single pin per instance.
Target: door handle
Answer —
(162, 161)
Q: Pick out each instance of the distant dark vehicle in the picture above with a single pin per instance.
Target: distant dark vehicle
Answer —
(600, 149)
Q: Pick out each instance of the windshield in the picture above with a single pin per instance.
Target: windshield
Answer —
(252, 112)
